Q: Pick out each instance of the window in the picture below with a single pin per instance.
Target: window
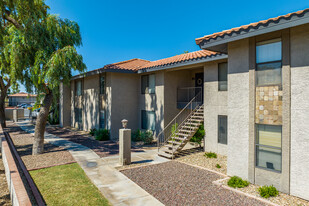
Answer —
(148, 84)
(268, 146)
(78, 117)
(102, 119)
(222, 129)
(148, 120)
(78, 88)
(102, 84)
(222, 76)
(268, 60)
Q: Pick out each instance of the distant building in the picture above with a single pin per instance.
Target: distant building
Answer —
(20, 98)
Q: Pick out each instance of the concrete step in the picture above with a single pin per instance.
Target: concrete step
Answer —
(174, 142)
(166, 155)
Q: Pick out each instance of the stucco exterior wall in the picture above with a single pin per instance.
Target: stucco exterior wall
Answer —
(124, 101)
(153, 102)
(238, 109)
(72, 103)
(299, 175)
(91, 91)
(215, 103)
(65, 105)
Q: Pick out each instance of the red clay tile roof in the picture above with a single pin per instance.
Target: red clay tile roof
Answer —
(22, 94)
(132, 64)
(249, 26)
(180, 58)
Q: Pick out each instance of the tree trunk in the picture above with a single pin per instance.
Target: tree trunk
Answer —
(38, 145)
(2, 109)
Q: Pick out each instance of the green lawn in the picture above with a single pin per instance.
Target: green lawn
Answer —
(67, 185)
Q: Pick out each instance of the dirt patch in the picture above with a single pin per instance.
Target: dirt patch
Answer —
(52, 156)
(101, 148)
(4, 191)
(175, 183)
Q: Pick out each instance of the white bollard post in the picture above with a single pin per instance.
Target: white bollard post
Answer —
(124, 144)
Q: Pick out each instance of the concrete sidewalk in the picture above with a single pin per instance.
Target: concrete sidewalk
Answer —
(116, 187)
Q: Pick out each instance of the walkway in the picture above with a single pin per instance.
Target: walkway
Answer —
(115, 186)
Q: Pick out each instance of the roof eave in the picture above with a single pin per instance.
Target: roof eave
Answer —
(99, 71)
(185, 63)
(212, 44)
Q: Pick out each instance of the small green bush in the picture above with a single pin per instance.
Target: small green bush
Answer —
(210, 155)
(92, 131)
(237, 182)
(147, 137)
(102, 135)
(268, 191)
(199, 135)
(218, 166)
(174, 129)
(136, 135)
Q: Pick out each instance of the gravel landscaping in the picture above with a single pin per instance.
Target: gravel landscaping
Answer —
(281, 199)
(210, 163)
(52, 156)
(4, 191)
(101, 148)
(175, 183)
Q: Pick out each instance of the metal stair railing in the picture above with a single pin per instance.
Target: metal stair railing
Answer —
(172, 128)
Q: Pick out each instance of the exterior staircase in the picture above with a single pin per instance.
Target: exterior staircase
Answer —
(182, 133)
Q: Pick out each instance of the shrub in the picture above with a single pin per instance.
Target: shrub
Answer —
(147, 137)
(174, 129)
(210, 155)
(136, 136)
(199, 135)
(218, 166)
(237, 182)
(268, 191)
(102, 135)
(92, 131)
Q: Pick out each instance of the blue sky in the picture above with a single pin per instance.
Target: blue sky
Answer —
(117, 30)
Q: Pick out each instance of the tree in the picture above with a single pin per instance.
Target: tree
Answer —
(17, 19)
(55, 58)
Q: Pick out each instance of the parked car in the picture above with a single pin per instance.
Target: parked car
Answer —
(35, 113)
(21, 105)
(25, 106)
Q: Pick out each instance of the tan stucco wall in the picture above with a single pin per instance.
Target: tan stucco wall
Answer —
(124, 101)
(91, 91)
(238, 109)
(65, 105)
(215, 103)
(299, 175)
(153, 102)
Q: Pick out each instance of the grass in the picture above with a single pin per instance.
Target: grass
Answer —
(67, 185)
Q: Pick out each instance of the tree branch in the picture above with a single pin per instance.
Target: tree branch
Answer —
(12, 20)
(2, 85)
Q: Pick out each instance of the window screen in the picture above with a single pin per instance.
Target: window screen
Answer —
(222, 74)
(268, 146)
(148, 120)
(222, 129)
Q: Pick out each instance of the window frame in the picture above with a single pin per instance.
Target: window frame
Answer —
(104, 85)
(219, 88)
(266, 146)
(223, 116)
(146, 126)
(81, 87)
(267, 62)
(146, 89)
(100, 119)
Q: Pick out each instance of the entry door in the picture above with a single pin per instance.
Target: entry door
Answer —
(199, 82)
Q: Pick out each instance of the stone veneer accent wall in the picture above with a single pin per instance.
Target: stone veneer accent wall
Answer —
(268, 105)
